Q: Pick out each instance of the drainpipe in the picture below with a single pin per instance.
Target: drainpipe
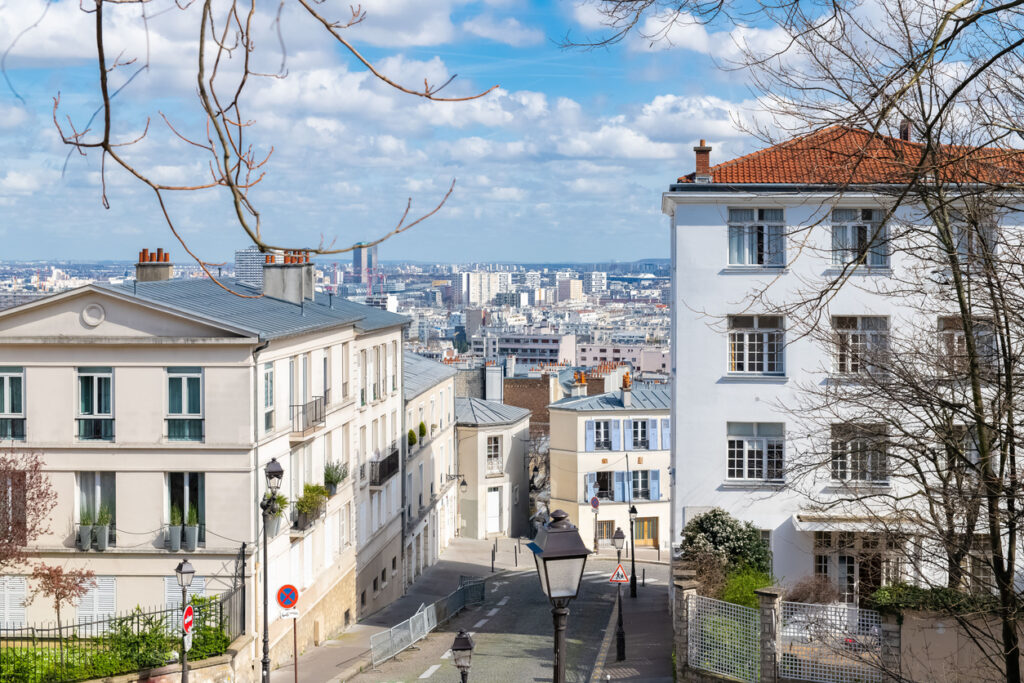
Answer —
(255, 469)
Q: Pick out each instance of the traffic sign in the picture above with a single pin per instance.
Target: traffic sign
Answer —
(287, 596)
(594, 502)
(290, 613)
(187, 618)
(188, 642)
(619, 576)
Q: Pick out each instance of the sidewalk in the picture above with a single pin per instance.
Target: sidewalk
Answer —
(343, 656)
(645, 555)
(648, 626)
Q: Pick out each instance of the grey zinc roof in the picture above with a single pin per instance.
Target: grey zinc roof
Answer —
(645, 397)
(476, 411)
(419, 374)
(264, 317)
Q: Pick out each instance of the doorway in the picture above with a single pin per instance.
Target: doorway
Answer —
(494, 510)
(646, 531)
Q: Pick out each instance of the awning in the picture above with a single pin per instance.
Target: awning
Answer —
(808, 523)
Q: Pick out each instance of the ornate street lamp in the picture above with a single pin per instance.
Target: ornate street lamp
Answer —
(632, 558)
(462, 653)
(184, 572)
(275, 474)
(560, 555)
(619, 541)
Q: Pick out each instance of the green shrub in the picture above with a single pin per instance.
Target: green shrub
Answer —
(738, 543)
(423, 429)
(335, 473)
(85, 518)
(740, 585)
(140, 639)
(412, 438)
(104, 516)
(898, 597)
(175, 515)
(209, 638)
(193, 516)
(312, 499)
(280, 505)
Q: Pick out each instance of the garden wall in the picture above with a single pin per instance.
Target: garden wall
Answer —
(237, 665)
(936, 648)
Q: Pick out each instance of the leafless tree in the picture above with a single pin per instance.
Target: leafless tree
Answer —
(26, 500)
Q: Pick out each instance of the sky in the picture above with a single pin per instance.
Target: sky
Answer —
(565, 161)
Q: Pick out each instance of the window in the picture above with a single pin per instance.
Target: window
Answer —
(185, 404)
(756, 237)
(12, 601)
(641, 485)
(12, 403)
(756, 450)
(383, 577)
(860, 342)
(639, 433)
(95, 404)
(376, 585)
(605, 485)
(97, 492)
(268, 397)
(859, 453)
(362, 599)
(972, 240)
(345, 370)
(186, 493)
(954, 359)
(859, 237)
(602, 434)
(494, 465)
(756, 344)
(13, 514)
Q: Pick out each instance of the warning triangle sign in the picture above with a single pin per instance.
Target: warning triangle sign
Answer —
(619, 575)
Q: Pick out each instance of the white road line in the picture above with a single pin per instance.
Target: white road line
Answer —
(503, 601)
(480, 623)
(493, 612)
(430, 672)
(447, 654)
(472, 633)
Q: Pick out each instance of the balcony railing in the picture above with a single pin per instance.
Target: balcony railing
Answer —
(188, 429)
(385, 468)
(640, 443)
(96, 429)
(605, 445)
(494, 466)
(12, 428)
(327, 397)
(308, 416)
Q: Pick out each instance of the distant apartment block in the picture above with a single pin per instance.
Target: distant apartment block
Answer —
(527, 347)
(364, 262)
(570, 289)
(595, 282)
(480, 287)
(249, 265)
(647, 359)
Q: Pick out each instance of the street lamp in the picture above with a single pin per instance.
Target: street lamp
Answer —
(462, 652)
(184, 572)
(560, 555)
(274, 473)
(632, 559)
(619, 540)
(463, 486)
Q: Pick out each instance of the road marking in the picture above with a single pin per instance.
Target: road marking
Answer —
(446, 655)
(503, 601)
(480, 623)
(493, 612)
(430, 672)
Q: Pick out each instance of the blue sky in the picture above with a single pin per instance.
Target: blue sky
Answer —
(566, 161)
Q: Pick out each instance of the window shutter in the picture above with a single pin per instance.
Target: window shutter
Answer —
(172, 591)
(620, 486)
(3, 603)
(655, 484)
(12, 607)
(589, 436)
(652, 434)
(627, 435)
(666, 434)
(591, 485)
(616, 436)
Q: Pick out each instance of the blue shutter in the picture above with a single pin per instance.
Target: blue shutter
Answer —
(627, 435)
(655, 479)
(652, 435)
(616, 436)
(591, 485)
(666, 434)
(589, 436)
(620, 486)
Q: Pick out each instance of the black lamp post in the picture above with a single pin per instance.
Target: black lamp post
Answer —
(184, 572)
(462, 653)
(274, 473)
(619, 540)
(560, 555)
(632, 559)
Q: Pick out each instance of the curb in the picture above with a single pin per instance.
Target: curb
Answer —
(606, 643)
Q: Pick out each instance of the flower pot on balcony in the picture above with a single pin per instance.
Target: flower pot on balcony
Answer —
(190, 538)
(84, 536)
(331, 489)
(273, 525)
(174, 537)
(102, 536)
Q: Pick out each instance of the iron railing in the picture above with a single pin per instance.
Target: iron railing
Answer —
(12, 428)
(385, 468)
(307, 416)
(96, 429)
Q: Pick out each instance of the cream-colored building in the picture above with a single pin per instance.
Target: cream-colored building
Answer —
(169, 397)
(431, 493)
(614, 447)
(493, 443)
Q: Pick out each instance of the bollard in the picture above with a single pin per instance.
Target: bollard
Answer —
(515, 554)
(643, 581)
(659, 552)
(492, 559)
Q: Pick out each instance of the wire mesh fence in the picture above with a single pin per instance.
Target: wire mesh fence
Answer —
(830, 643)
(724, 638)
(119, 644)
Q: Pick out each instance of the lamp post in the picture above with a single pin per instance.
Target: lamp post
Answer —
(619, 540)
(560, 555)
(184, 572)
(595, 530)
(632, 559)
(462, 653)
(274, 473)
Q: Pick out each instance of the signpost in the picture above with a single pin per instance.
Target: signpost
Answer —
(288, 598)
(187, 619)
(619, 576)
(595, 503)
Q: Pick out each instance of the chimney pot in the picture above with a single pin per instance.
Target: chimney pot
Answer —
(905, 130)
(144, 256)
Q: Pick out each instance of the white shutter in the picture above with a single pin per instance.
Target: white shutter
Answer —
(3, 602)
(172, 591)
(12, 601)
(99, 602)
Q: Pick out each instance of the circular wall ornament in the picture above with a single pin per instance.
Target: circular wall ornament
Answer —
(93, 315)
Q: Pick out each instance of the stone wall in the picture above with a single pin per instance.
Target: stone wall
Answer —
(235, 666)
(318, 622)
(532, 393)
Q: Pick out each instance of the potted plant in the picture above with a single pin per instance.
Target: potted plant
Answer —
(334, 474)
(85, 529)
(191, 537)
(103, 527)
(174, 530)
(423, 430)
(309, 504)
(412, 438)
(274, 521)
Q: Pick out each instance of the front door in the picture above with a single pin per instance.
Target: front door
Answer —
(494, 510)
(647, 531)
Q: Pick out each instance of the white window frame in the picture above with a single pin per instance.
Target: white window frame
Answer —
(750, 235)
(868, 335)
(602, 435)
(966, 239)
(182, 375)
(859, 233)
(639, 481)
(953, 344)
(757, 348)
(95, 374)
(640, 435)
(268, 397)
(757, 456)
(859, 457)
(494, 455)
(201, 509)
(7, 399)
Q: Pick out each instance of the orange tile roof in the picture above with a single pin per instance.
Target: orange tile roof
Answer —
(841, 156)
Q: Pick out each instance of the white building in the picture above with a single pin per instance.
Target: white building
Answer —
(570, 289)
(479, 287)
(542, 348)
(249, 265)
(595, 282)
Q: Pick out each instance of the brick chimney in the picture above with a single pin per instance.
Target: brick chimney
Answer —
(627, 391)
(905, 130)
(703, 174)
(154, 266)
(291, 280)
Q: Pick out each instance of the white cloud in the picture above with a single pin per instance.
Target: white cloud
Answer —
(508, 30)
(20, 182)
(514, 194)
(616, 141)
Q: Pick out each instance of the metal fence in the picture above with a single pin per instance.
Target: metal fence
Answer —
(387, 644)
(724, 638)
(119, 644)
(830, 643)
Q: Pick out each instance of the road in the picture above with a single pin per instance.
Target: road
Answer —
(513, 631)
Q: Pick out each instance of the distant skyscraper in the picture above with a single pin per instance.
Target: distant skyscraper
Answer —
(364, 262)
(595, 282)
(249, 266)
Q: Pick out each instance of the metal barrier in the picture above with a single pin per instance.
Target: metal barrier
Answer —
(387, 644)
(724, 638)
(830, 643)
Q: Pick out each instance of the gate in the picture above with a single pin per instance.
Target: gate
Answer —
(830, 643)
(724, 638)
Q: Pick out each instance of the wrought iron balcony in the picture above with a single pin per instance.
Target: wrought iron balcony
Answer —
(385, 468)
(308, 416)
